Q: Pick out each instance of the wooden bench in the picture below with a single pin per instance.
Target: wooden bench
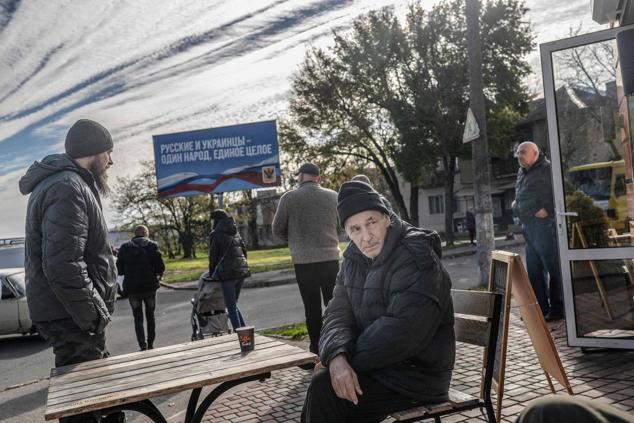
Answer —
(477, 321)
(130, 381)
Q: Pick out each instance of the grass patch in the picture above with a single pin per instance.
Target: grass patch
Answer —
(185, 270)
(481, 287)
(297, 331)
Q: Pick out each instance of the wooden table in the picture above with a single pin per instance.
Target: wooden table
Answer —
(128, 382)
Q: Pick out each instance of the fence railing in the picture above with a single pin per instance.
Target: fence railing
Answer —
(7, 242)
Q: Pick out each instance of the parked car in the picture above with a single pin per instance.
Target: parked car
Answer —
(14, 312)
(11, 257)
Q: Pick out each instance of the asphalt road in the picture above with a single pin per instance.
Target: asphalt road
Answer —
(26, 361)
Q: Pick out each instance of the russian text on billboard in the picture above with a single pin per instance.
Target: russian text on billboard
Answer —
(230, 158)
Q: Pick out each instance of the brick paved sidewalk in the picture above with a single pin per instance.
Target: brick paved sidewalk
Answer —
(605, 376)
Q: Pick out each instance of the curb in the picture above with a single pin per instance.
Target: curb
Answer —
(175, 287)
(449, 254)
(275, 282)
(289, 277)
(23, 384)
(192, 286)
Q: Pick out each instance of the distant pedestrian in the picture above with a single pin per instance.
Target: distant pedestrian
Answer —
(69, 264)
(307, 218)
(228, 262)
(363, 178)
(534, 206)
(471, 226)
(141, 264)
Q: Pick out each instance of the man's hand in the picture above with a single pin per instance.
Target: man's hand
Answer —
(318, 366)
(344, 379)
(542, 214)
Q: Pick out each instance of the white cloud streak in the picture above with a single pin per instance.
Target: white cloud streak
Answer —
(141, 69)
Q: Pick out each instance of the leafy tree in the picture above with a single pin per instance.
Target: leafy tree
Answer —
(329, 116)
(395, 94)
(182, 220)
(439, 40)
(591, 218)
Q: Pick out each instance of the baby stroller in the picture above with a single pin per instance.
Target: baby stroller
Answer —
(209, 317)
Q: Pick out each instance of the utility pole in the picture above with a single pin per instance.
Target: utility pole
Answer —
(479, 146)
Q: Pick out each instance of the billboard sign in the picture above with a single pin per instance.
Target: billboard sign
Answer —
(214, 160)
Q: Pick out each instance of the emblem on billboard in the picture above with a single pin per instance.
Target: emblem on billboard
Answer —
(268, 174)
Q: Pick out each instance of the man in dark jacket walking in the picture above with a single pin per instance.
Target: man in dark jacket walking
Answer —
(140, 263)
(387, 341)
(70, 269)
(534, 206)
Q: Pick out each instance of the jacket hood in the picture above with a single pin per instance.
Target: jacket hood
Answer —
(227, 226)
(49, 165)
(140, 241)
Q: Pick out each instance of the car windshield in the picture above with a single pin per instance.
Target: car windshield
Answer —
(19, 283)
(11, 257)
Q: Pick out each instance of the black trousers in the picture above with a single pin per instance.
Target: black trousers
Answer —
(72, 346)
(136, 302)
(322, 405)
(316, 282)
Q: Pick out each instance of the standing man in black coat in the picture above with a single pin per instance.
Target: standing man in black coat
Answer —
(140, 263)
(471, 225)
(70, 269)
(534, 206)
(387, 341)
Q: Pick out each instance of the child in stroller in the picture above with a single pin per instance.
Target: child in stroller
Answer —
(209, 317)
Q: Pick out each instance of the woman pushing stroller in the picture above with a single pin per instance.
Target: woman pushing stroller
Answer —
(228, 262)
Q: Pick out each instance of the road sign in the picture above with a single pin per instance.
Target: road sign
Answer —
(471, 128)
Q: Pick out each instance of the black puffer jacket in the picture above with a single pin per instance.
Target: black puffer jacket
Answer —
(140, 261)
(534, 190)
(70, 268)
(393, 316)
(227, 252)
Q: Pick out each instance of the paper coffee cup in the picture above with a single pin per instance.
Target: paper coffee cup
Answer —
(246, 338)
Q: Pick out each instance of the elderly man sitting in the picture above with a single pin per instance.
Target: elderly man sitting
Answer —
(387, 341)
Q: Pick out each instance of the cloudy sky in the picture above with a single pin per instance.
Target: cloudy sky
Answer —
(141, 69)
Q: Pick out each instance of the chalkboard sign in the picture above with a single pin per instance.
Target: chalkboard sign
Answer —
(500, 283)
(508, 277)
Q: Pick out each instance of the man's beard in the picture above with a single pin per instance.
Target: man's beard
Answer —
(101, 178)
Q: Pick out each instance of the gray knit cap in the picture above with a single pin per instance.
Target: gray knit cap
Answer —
(87, 138)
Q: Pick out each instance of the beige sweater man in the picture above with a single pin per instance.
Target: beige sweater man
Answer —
(307, 218)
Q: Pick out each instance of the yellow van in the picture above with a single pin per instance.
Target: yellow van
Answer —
(605, 183)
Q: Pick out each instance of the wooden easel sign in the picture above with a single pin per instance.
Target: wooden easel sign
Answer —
(508, 277)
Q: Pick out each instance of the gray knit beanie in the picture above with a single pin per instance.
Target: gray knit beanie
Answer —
(87, 138)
